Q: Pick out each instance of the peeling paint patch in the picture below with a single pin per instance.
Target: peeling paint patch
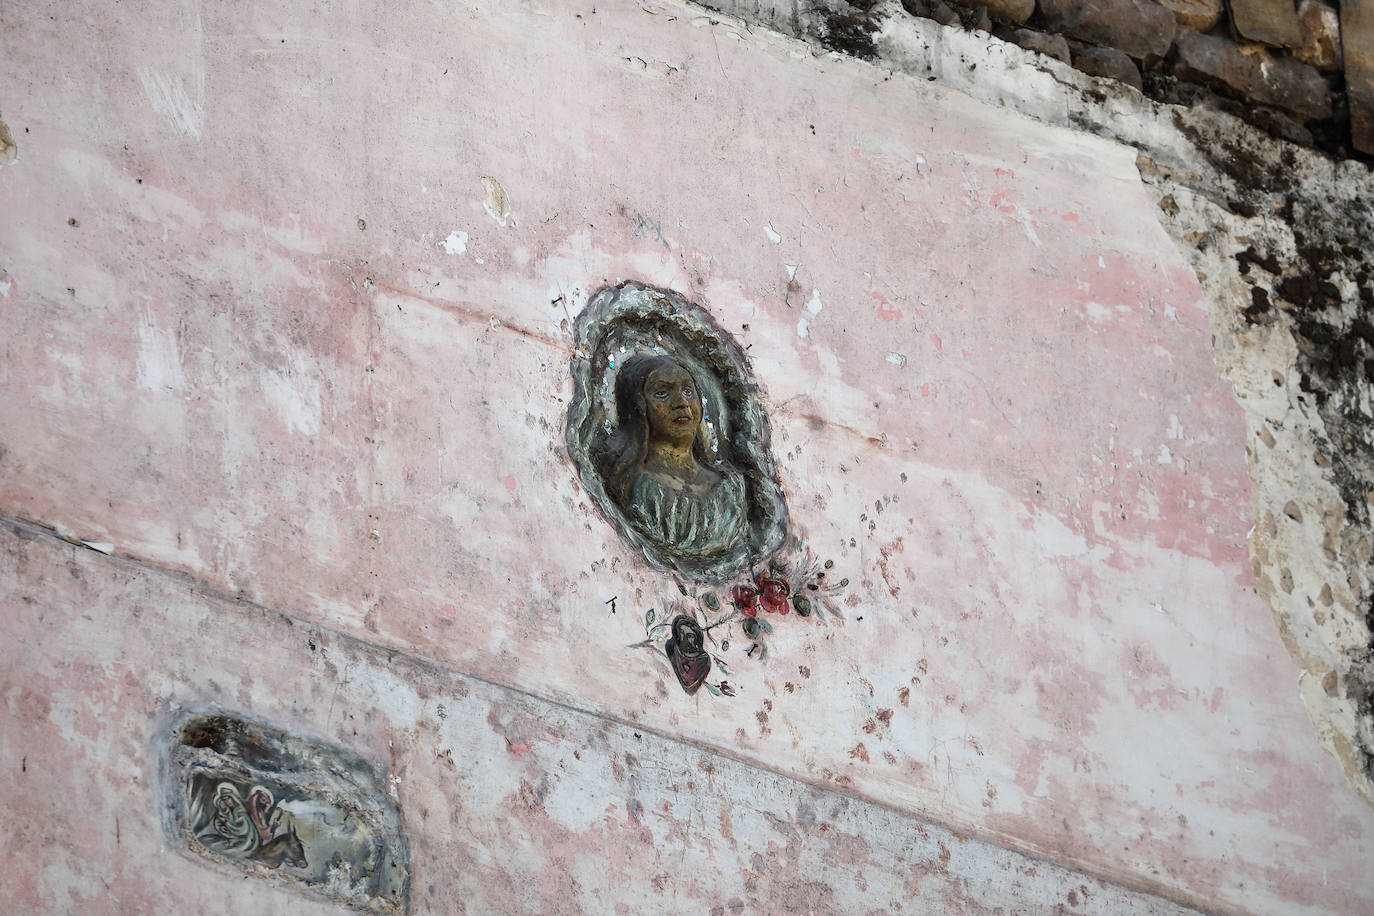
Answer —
(167, 95)
(497, 202)
(159, 363)
(295, 397)
(9, 151)
(803, 328)
(772, 234)
(897, 359)
(814, 305)
(456, 243)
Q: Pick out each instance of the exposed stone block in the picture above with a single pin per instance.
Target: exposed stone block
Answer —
(1357, 41)
(1273, 22)
(1042, 42)
(943, 13)
(1321, 35)
(1141, 28)
(1010, 10)
(1200, 15)
(937, 10)
(1253, 72)
(1280, 125)
(1110, 63)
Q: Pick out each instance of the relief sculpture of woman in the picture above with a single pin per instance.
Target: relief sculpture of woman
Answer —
(657, 466)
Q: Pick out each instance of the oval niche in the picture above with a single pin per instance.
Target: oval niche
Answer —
(669, 436)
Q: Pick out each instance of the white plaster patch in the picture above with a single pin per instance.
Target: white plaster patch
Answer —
(1055, 539)
(159, 363)
(456, 243)
(1097, 311)
(5, 286)
(1175, 430)
(791, 271)
(570, 805)
(166, 93)
(814, 305)
(772, 234)
(289, 232)
(803, 328)
(897, 359)
(1165, 456)
(295, 396)
(1024, 218)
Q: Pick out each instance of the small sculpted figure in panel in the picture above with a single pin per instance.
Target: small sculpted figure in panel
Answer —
(656, 464)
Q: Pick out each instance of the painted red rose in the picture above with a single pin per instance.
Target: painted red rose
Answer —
(746, 598)
(773, 594)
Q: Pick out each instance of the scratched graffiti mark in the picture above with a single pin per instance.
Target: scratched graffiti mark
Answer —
(649, 228)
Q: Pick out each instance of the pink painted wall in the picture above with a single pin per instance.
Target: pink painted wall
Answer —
(513, 804)
(285, 351)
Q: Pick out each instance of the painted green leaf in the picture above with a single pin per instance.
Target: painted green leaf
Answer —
(649, 617)
(713, 688)
(711, 601)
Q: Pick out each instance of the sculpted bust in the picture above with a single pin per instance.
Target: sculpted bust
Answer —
(656, 465)
(669, 435)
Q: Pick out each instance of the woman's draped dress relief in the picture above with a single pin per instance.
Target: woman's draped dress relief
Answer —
(668, 436)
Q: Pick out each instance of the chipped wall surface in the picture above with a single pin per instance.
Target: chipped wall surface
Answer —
(289, 306)
(514, 803)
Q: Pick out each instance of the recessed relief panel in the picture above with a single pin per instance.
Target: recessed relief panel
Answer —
(248, 796)
(669, 437)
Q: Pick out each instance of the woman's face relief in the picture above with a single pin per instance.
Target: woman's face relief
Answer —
(673, 404)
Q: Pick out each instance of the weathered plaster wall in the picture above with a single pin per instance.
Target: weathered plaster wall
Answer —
(515, 804)
(288, 301)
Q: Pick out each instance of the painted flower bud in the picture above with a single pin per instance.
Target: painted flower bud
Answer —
(746, 598)
(773, 594)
